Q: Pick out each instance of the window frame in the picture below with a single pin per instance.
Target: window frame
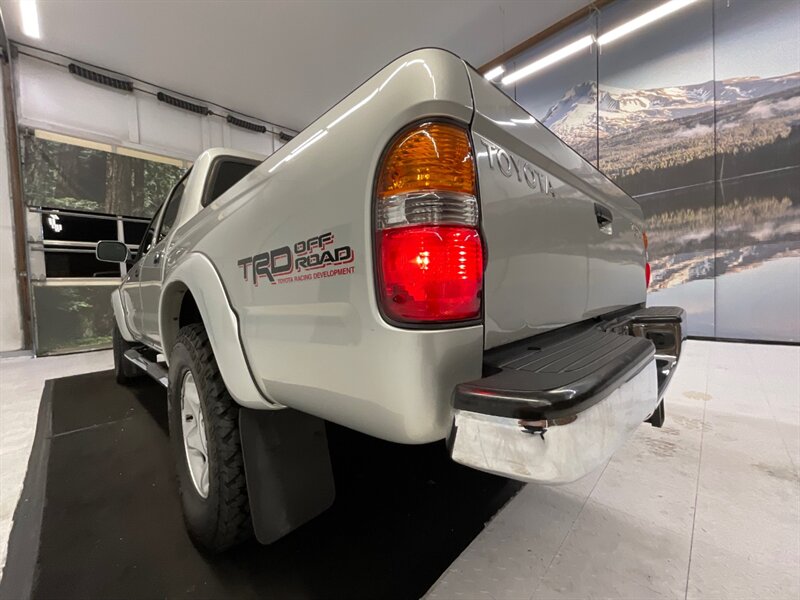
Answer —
(142, 250)
(158, 216)
(167, 204)
(213, 172)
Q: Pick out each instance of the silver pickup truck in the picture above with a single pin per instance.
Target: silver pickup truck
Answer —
(424, 262)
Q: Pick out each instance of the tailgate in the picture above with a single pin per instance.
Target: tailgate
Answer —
(564, 243)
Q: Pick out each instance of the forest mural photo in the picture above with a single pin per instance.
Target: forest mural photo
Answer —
(76, 315)
(71, 177)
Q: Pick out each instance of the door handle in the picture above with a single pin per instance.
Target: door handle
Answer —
(605, 218)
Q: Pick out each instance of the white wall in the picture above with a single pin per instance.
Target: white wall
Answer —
(50, 98)
(10, 316)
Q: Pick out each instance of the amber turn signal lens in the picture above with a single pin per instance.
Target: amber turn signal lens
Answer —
(644, 240)
(428, 157)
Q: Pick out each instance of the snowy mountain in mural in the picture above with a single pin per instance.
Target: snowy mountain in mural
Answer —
(622, 110)
(670, 113)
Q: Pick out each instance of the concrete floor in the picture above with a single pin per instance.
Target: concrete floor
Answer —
(708, 506)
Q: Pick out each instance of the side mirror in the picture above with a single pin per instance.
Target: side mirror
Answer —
(112, 251)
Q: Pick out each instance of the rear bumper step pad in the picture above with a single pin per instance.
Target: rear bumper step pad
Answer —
(560, 376)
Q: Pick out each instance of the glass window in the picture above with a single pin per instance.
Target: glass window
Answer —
(75, 228)
(134, 231)
(72, 318)
(227, 174)
(171, 210)
(147, 240)
(76, 262)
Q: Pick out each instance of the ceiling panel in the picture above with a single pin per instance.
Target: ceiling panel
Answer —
(282, 61)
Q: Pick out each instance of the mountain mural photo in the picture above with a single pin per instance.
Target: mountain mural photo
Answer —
(674, 148)
(697, 117)
(677, 124)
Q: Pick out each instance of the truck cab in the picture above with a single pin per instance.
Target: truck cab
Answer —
(213, 173)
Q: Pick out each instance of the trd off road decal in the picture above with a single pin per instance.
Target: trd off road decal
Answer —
(314, 258)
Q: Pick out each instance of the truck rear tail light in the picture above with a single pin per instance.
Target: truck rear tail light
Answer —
(429, 252)
(647, 260)
(431, 273)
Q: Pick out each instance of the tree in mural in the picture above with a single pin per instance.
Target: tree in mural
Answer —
(119, 185)
(58, 175)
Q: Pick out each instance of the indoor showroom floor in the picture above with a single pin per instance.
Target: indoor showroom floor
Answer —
(708, 506)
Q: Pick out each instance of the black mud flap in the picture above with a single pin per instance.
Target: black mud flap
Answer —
(658, 417)
(288, 469)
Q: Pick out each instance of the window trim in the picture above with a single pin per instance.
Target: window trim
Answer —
(167, 203)
(213, 171)
(154, 222)
(163, 208)
(101, 144)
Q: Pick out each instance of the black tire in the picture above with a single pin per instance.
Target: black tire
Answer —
(221, 519)
(124, 370)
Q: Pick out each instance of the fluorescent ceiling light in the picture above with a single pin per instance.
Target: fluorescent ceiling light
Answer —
(548, 60)
(496, 72)
(642, 20)
(30, 18)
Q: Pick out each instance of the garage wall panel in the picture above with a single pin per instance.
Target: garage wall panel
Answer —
(250, 140)
(757, 65)
(177, 133)
(10, 317)
(212, 133)
(50, 98)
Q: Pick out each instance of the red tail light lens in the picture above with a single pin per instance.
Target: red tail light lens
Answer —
(430, 273)
(646, 243)
(647, 274)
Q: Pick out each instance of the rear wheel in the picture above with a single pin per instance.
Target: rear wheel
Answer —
(204, 432)
(124, 370)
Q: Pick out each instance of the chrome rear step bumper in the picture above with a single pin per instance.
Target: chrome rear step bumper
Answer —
(555, 407)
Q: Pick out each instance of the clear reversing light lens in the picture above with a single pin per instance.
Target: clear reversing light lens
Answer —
(428, 208)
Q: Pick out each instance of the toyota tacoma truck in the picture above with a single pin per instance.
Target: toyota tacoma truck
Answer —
(424, 262)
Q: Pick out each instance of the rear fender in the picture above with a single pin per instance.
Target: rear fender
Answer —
(198, 276)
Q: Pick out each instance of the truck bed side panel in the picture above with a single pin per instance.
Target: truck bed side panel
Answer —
(314, 337)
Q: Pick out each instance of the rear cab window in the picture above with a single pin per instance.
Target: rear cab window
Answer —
(227, 172)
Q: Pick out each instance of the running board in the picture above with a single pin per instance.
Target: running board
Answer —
(153, 369)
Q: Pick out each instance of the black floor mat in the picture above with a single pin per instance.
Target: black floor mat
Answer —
(112, 527)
